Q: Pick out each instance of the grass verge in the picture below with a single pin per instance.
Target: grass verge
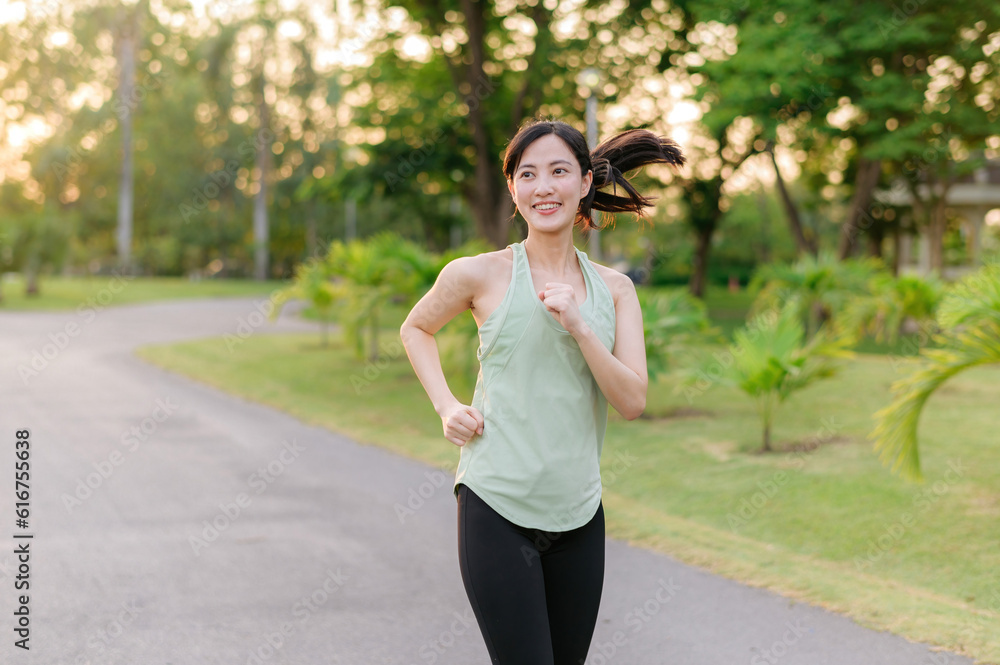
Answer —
(71, 292)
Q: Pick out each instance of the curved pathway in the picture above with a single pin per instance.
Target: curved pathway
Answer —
(175, 524)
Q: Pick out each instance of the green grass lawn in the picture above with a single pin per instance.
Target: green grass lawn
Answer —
(826, 524)
(71, 292)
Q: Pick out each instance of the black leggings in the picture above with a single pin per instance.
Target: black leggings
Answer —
(535, 593)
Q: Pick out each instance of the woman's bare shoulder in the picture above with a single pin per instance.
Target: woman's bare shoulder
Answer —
(479, 270)
(487, 265)
(618, 283)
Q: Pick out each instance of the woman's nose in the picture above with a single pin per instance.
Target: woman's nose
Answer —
(543, 185)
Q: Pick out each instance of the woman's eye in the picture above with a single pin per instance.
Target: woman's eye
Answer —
(526, 174)
(560, 170)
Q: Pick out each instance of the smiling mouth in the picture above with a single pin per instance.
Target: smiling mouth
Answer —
(546, 206)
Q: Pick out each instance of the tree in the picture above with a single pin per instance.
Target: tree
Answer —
(127, 38)
(192, 115)
(453, 82)
(804, 243)
(878, 83)
(750, 81)
(40, 239)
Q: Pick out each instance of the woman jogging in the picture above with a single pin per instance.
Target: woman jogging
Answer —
(560, 339)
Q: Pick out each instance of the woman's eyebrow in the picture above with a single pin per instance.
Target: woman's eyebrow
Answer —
(553, 163)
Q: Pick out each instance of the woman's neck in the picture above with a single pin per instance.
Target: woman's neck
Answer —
(552, 253)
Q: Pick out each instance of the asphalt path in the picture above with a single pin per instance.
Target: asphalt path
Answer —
(176, 524)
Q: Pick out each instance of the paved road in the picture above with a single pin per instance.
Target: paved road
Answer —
(175, 524)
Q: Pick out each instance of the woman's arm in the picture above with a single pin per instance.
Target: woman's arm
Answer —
(621, 374)
(451, 295)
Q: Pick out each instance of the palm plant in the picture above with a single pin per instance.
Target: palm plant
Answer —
(891, 304)
(771, 360)
(41, 240)
(969, 317)
(312, 284)
(821, 285)
(371, 273)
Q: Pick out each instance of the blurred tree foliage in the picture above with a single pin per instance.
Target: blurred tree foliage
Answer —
(875, 88)
(451, 83)
(405, 131)
(196, 132)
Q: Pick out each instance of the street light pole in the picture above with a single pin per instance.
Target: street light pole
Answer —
(589, 79)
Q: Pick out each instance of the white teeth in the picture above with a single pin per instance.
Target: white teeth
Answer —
(546, 206)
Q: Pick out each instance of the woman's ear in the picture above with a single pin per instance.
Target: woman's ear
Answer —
(587, 182)
(510, 188)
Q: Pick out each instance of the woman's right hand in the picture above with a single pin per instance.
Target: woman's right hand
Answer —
(461, 423)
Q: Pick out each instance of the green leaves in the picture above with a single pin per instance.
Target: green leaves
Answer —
(311, 284)
(821, 285)
(371, 273)
(770, 360)
(974, 299)
(890, 302)
(970, 316)
(356, 280)
(673, 321)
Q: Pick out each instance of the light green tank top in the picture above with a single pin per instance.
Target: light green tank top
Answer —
(537, 462)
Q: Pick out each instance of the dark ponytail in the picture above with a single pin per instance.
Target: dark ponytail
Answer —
(620, 154)
(610, 161)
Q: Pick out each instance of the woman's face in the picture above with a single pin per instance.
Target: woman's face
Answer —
(548, 184)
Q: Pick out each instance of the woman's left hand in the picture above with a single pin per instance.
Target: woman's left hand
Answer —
(560, 300)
